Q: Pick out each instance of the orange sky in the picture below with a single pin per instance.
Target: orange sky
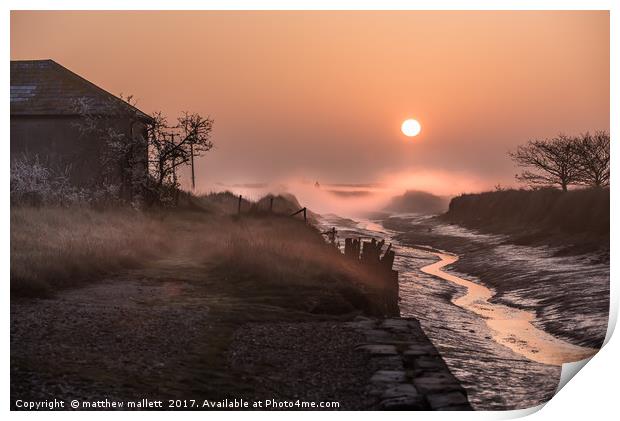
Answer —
(321, 95)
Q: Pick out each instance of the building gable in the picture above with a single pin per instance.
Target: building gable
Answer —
(45, 88)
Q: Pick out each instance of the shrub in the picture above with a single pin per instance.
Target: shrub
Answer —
(35, 184)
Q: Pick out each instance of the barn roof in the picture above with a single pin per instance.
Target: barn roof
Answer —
(44, 87)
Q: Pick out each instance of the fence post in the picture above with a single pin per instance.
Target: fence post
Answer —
(239, 206)
(271, 204)
(305, 219)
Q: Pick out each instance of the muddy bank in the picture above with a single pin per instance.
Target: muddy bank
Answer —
(573, 222)
(511, 327)
(569, 295)
(495, 376)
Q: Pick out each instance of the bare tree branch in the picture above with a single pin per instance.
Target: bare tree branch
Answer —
(167, 147)
(548, 162)
(593, 158)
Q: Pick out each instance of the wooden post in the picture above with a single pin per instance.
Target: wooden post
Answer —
(305, 219)
(174, 176)
(365, 251)
(348, 247)
(388, 260)
(373, 256)
(271, 204)
(239, 206)
(191, 149)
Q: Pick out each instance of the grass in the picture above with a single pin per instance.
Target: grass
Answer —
(53, 248)
(271, 258)
(579, 217)
(228, 203)
(288, 258)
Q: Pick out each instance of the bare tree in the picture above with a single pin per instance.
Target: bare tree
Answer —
(550, 162)
(593, 158)
(161, 151)
(173, 146)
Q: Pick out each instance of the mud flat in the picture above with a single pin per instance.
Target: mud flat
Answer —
(511, 327)
(568, 296)
(513, 359)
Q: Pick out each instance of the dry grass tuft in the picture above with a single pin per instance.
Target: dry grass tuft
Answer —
(291, 265)
(285, 250)
(58, 247)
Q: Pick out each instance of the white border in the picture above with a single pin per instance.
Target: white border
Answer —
(591, 394)
(311, 5)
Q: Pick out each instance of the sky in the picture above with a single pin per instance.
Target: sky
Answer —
(299, 97)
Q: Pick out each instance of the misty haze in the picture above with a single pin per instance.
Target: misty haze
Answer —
(307, 210)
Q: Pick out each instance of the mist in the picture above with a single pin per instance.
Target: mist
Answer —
(320, 96)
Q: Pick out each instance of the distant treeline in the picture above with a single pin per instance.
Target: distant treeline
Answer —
(579, 211)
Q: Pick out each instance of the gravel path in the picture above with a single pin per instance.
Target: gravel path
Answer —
(128, 339)
(309, 361)
(107, 340)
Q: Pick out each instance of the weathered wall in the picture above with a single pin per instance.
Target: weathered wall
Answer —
(58, 144)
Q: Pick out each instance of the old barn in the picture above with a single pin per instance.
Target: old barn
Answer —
(47, 122)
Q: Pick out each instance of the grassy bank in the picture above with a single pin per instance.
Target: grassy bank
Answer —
(272, 255)
(53, 248)
(581, 216)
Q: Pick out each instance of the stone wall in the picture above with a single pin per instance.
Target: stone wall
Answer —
(409, 373)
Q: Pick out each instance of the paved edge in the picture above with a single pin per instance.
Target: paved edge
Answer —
(410, 374)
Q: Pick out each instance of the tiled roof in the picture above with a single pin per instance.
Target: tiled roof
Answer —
(44, 87)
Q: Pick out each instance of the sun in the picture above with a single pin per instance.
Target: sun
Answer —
(411, 127)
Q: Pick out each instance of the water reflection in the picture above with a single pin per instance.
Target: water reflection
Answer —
(511, 327)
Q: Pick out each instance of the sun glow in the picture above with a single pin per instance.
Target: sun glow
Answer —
(411, 127)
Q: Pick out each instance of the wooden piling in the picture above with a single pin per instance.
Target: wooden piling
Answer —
(380, 266)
